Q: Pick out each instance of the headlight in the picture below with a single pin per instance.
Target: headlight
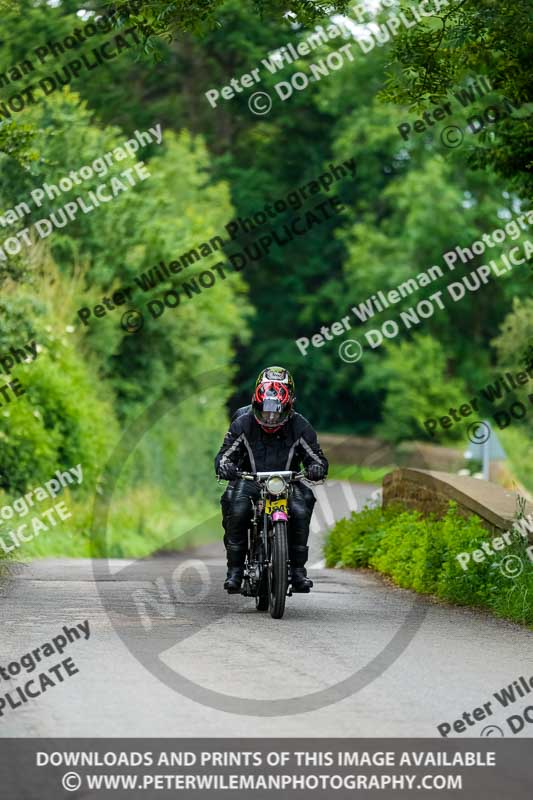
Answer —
(275, 485)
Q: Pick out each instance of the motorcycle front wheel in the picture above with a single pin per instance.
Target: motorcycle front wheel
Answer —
(278, 572)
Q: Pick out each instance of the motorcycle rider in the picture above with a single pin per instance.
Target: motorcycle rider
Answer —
(268, 435)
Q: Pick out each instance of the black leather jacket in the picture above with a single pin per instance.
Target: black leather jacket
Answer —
(253, 450)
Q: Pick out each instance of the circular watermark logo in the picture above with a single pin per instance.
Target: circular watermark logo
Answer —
(132, 321)
(350, 351)
(511, 566)
(478, 432)
(452, 136)
(197, 587)
(492, 730)
(260, 103)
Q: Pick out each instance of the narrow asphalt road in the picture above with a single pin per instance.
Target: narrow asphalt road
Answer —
(170, 654)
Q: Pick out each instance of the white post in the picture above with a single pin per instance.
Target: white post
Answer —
(486, 456)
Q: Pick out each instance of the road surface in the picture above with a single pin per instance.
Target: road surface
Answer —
(168, 616)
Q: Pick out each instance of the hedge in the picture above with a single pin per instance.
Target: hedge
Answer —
(419, 553)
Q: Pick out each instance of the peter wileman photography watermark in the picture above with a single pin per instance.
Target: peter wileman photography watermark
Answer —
(474, 91)
(17, 355)
(52, 50)
(377, 303)
(103, 193)
(452, 136)
(456, 291)
(510, 566)
(10, 391)
(34, 526)
(52, 676)
(239, 229)
(509, 695)
(366, 33)
(491, 393)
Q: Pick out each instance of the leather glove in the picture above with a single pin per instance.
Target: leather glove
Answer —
(227, 471)
(315, 472)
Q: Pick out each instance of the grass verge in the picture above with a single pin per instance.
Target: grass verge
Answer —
(419, 553)
(357, 474)
(141, 521)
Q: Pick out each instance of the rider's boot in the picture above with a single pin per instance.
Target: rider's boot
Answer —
(236, 556)
(300, 582)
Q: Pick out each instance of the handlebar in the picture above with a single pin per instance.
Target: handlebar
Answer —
(255, 476)
(262, 476)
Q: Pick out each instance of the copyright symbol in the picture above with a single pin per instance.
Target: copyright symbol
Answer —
(260, 103)
(478, 432)
(452, 136)
(511, 566)
(71, 781)
(348, 353)
(492, 730)
(132, 321)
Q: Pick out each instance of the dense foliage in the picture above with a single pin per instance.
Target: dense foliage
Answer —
(409, 202)
(470, 38)
(166, 18)
(420, 553)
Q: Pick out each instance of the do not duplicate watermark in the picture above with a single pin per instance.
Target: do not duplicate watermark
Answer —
(518, 689)
(40, 683)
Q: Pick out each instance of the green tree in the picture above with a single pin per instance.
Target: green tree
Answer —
(65, 415)
(97, 253)
(513, 344)
(168, 18)
(514, 348)
(467, 39)
(417, 383)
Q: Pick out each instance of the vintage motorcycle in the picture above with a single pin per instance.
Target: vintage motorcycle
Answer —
(267, 567)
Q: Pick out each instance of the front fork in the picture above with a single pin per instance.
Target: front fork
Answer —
(252, 571)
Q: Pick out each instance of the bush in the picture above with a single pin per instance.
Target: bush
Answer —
(420, 553)
(63, 419)
(353, 540)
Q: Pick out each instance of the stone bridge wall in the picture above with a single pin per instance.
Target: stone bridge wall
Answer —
(368, 451)
(429, 492)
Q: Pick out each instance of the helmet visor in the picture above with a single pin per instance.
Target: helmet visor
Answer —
(271, 412)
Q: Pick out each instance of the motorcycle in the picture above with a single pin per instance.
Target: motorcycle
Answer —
(267, 568)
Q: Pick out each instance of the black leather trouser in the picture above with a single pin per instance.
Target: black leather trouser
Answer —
(237, 512)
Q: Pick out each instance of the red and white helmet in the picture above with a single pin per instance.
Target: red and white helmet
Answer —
(273, 398)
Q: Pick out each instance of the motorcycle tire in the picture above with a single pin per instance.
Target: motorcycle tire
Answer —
(278, 572)
(261, 598)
